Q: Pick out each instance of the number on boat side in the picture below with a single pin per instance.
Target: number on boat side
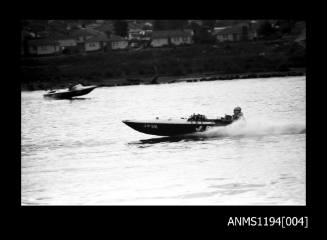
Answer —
(148, 125)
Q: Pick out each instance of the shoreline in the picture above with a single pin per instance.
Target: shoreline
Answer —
(168, 79)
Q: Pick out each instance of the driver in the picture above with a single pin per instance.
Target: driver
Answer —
(237, 113)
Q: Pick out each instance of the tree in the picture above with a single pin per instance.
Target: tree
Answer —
(245, 32)
(35, 26)
(209, 24)
(159, 25)
(121, 27)
(266, 30)
(201, 34)
(178, 24)
(285, 26)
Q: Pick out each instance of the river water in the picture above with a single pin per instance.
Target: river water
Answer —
(78, 152)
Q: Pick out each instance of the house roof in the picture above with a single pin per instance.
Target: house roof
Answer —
(135, 26)
(25, 33)
(42, 42)
(115, 38)
(105, 27)
(170, 33)
(217, 30)
(60, 36)
(98, 38)
(84, 32)
(189, 30)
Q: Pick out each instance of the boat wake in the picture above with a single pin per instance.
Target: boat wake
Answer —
(244, 128)
(241, 128)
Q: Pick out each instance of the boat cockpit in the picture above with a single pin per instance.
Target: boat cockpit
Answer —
(197, 118)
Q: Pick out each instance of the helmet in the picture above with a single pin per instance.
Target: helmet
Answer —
(237, 109)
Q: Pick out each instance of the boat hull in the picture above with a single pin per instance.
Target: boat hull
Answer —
(170, 128)
(70, 94)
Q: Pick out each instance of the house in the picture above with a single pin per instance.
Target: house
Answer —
(199, 22)
(67, 42)
(159, 38)
(135, 31)
(180, 37)
(64, 41)
(43, 47)
(236, 33)
(81, 35)
(217, 30)
(135, 34)
(173, 37)
(148, 26)
(117, 42)
(190, 31)
(96, 43)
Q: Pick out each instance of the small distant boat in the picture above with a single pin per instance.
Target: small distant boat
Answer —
(74, 91)
(170, 127)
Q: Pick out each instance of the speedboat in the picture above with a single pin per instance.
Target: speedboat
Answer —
(170, 127)
(74, 91)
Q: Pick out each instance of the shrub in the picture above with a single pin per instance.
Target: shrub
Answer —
(108, 74)
(177, 72)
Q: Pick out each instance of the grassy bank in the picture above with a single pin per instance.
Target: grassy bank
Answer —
(198, 62)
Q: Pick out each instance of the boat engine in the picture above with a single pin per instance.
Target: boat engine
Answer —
(197, 118)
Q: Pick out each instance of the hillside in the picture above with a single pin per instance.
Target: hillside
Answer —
(105, 68)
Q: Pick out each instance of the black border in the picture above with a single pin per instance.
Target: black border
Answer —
(186, 218)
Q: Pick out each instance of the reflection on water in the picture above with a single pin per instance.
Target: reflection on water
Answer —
(68, 99)
(79, 152)
(169, 139)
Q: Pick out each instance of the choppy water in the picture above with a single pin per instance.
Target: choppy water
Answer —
(79, 151)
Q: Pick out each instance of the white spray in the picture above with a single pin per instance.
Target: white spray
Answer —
(256, 127)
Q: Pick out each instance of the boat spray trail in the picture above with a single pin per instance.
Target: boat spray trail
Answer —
(244, 128)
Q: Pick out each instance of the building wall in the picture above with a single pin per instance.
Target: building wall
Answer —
(119, 45)
(235, 36)
(159, 42)
(43, 50)
(220, 37)
(181, 40)
(92, 46)
(177, 40)
(135, 34)
(188, 40)
(67, 42)
(226, 37)
(81, 39)
(253, 35)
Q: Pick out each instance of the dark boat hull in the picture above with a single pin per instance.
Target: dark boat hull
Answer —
(70, 94)
(172, 129)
